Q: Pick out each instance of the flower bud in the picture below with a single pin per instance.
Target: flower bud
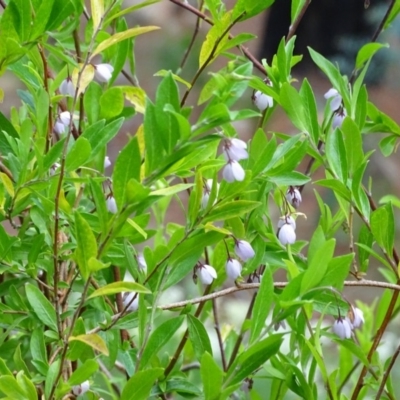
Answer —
(262, 100)
(206, 274)
(107, 162)
(244, 250)
(81, 389)
(233, 171)
(286, 234)
(336, 98)
(287, 219)
(63, 121)
(111, 205)
(293, 197)
(235, 149)
(67, 87)
(103, 72)
(233, 268)
(342, 328)
(338, 118)
(356, 317)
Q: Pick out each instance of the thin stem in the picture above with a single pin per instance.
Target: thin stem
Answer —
(293, 27)
(79, 59)
(209, 59)
(351, 235)
(218, 332)
(387, 373)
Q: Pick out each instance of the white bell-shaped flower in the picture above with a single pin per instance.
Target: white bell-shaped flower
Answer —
(235, 149)
(336, 99)
(287, 219)
(244, 250)
(103, 72)
(338, 118)
(233, 268)
(67, 87)
(286, 234)
(358, 317)
(207, 187)
(62, 122)
(107, 162)
(342, 328)
(77, 390)
(111, 205)
(206, 274)
(233, 171)
(127, 298)
(262, 100)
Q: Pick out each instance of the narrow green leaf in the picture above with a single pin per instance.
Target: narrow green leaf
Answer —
(211, 376)
(336, 154)
(198, 337)
(10, 387)
(366, 52)
(382, 227)
(139, 385)
(262, 305)
(310, 111)
(78, 154)
(42, 307)
(83, 372)
(87, 246)
(51, 377)
(230, 210)
(97, 8)
(91, 102)
(160, 337)
(292, 103)
(118, 287)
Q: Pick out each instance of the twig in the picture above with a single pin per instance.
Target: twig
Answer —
(293, 27)
(387, 373)
(218, 332)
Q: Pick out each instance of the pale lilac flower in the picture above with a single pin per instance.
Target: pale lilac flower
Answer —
(235, 149)
(67, 87)
(63, 121)
(293, 196)
(141, 262)
(81, 389)
(358, 317)
(336, 98)
(233, 268)
(103, 72)
(286, 234)
(262, 100)
(207, 187)
(54, 168)
(233, 171)
(287, 219)
(206, 273)
(127, 299)
(342, 328)
(338, 118)
(244, 250)
(111, 204)
(107, 162)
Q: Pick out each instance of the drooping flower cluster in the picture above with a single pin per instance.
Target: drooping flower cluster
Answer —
(336, 106)
(234, 150)
(344, 326)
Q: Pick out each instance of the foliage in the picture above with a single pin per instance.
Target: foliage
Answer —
(86, 257)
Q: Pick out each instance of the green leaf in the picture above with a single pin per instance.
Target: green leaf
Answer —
(230, 210)
(42, 307)
(118, 287)
(252, 358)
(111, 103)
(366, 52)
(27, 386)
(51, 377)
(310, 111)
(262, 305)
(41, 19)
(353, 144)
(211, 376)
(97, 8)
(37, 347)
(83, 372)
(87, 245)
(159, 338)
(10, 387)
(78, 154)
(139, 385)
(198, 337)
(171, 190)
(293, 105)
(337, 271)
(118, 37)
(93, 340)
(249, 9)
(336, 154)
(127, 167)
(382, 227)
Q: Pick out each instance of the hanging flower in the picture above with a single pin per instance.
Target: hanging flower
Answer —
(287, 219)
(77, 390)
(111, 204)
(103, 72)
(293, 196)
(338, 118)
(233, 268)
(244, 250)
(206, 273)
(342, 328)
(67, 87)
(235, 149)
(286, 234)
(132, 299)
(336, 98)
(207, 187)
(233, 171)
(356, 317)
(107, 162)
(63, 121)
(262, 100)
